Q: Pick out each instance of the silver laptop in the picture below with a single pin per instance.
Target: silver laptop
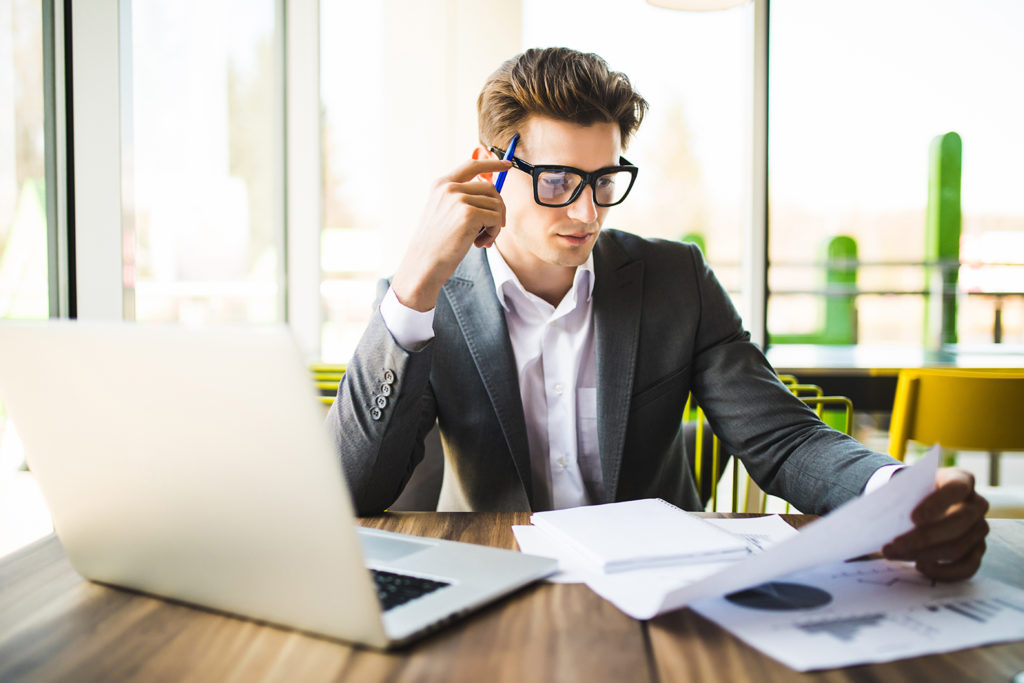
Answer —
(195, 465)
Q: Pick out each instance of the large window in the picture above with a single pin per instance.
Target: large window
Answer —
(205, 158)
(24, 288)
(407, 114)
(23, 267)
(858, 93)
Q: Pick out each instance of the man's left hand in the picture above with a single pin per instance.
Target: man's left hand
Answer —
(948, 538)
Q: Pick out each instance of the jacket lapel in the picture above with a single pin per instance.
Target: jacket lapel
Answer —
(470, 292)
(618, 295)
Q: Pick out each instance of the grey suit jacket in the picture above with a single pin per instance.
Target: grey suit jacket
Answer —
(664, 327)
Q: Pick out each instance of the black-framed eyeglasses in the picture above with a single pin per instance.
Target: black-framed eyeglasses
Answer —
(562, 185)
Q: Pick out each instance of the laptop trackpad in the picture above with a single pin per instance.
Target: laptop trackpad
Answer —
(387, 548)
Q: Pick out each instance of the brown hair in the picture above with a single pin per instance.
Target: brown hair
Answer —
(562, 84)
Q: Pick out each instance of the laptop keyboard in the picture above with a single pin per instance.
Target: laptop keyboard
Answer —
(397, 589)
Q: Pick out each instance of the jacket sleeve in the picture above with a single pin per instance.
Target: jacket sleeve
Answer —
(785, 447)
(381, 414)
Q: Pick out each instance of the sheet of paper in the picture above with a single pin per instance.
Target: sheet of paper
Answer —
(636, 534)
(757, 532)
(860, 527)
(877, 611)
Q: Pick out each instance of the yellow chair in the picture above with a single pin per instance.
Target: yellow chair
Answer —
(802, 390)
(327, 377)
(963, 410)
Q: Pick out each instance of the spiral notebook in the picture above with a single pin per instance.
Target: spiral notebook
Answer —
(639, 533)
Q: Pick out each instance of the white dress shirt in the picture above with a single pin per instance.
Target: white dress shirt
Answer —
(557, 369)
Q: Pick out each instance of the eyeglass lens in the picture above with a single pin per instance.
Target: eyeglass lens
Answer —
(558, 187)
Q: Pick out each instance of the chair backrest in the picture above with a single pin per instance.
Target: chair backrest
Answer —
(959, 409)
(708, 460)
(327, 377)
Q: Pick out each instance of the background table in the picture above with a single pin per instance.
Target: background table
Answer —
(56, 626)
(867, 374)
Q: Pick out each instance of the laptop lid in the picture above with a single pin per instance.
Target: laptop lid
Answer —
(192, 465)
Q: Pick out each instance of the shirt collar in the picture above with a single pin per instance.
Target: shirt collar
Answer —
(582, 285)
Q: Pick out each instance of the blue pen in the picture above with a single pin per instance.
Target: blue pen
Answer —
(508, 155)
(501, 176)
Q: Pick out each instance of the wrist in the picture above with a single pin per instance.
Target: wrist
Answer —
(417, 294)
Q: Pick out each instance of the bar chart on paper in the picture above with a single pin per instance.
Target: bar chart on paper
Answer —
(879, 611)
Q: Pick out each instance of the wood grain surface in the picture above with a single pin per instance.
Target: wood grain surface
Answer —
(56, 626)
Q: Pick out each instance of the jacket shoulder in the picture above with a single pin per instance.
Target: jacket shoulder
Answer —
(628, 246)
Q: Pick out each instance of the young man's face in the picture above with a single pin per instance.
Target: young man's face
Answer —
(539, 240)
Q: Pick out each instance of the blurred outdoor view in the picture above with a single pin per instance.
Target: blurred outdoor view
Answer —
(858, 93)
(205, 160)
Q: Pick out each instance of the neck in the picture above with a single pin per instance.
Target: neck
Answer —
(545, 280)
(550, 286)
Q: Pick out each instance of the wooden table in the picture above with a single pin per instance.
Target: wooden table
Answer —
(56, 626)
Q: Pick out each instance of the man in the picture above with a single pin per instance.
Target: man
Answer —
(556, 358)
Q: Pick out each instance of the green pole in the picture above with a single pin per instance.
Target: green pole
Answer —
(942, 238)
(841, 282)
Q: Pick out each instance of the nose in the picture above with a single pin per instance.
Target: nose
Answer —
(583, 209)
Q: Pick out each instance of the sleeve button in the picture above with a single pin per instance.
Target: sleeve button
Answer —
(382, 402)
(389, 377)
(375, 413)
(385, 389)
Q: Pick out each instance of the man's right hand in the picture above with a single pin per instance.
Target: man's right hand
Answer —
(461, 211)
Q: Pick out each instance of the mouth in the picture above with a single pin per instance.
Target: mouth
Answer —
(577, 238)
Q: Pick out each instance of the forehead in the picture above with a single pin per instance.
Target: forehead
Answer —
(544, 140)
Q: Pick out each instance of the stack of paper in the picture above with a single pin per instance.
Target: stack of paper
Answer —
(861, 526)
(639, 534)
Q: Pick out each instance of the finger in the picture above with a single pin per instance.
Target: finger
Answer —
(959, 522)
(486, 236)
(949, 550)
(953, 486)
(474, 167)
(953, 571)
(471, 212)
(489, 202)
(474, 188)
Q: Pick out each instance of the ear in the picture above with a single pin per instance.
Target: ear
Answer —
(480, 153)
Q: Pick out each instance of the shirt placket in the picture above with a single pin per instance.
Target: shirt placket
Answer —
(559, 385)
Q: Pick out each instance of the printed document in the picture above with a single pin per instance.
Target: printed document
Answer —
(875, 611)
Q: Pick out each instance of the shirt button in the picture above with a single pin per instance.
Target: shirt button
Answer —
(375, 413)
(558, 388)
(564, 462)
(382, 402)
(385, 389)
